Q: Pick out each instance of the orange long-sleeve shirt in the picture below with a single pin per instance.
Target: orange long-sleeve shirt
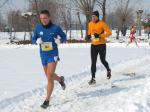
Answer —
(98, 28)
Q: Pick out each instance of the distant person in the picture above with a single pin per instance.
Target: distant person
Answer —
(132, 35)
(149, 33)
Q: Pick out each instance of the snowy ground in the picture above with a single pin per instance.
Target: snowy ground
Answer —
(22, 82)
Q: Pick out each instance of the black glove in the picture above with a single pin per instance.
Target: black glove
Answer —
(88, 37)
(96, 35)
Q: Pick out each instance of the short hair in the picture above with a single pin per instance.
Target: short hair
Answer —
(45, 12)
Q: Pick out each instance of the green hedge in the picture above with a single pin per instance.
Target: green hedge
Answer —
(146, 24)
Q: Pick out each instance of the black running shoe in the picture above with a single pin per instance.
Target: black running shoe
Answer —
(62, 83)
(45, 105)
(92, 81)
(109, 74)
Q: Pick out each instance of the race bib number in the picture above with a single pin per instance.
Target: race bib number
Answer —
(47, 46)
(95, 39)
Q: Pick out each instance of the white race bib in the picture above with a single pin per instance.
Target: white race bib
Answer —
(94, 39)
(47, 46)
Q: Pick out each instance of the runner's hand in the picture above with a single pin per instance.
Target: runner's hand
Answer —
(39, 41)
(97, 35)
(57, 40)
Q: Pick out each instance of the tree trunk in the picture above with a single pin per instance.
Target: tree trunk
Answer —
(104, 10)
(25, 36)
(88, 18)
(37, 10)
(78, 14)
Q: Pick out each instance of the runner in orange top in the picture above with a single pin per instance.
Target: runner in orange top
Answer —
(97, 32)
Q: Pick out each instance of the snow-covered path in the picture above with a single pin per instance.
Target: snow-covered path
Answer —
(127, 91)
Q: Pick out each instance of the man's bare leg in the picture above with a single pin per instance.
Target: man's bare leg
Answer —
(50, 78)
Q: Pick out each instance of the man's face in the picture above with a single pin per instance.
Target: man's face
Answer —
(94, 18)
(45, 19)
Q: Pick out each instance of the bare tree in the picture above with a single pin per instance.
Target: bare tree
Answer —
(64, 15)
(15, 21)
(112, 20)
(37, 8)
(65, 20)
(102, 5)
(2, 22)
(80, 23)
(51, 5)
(124, 15)
(86, 7)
